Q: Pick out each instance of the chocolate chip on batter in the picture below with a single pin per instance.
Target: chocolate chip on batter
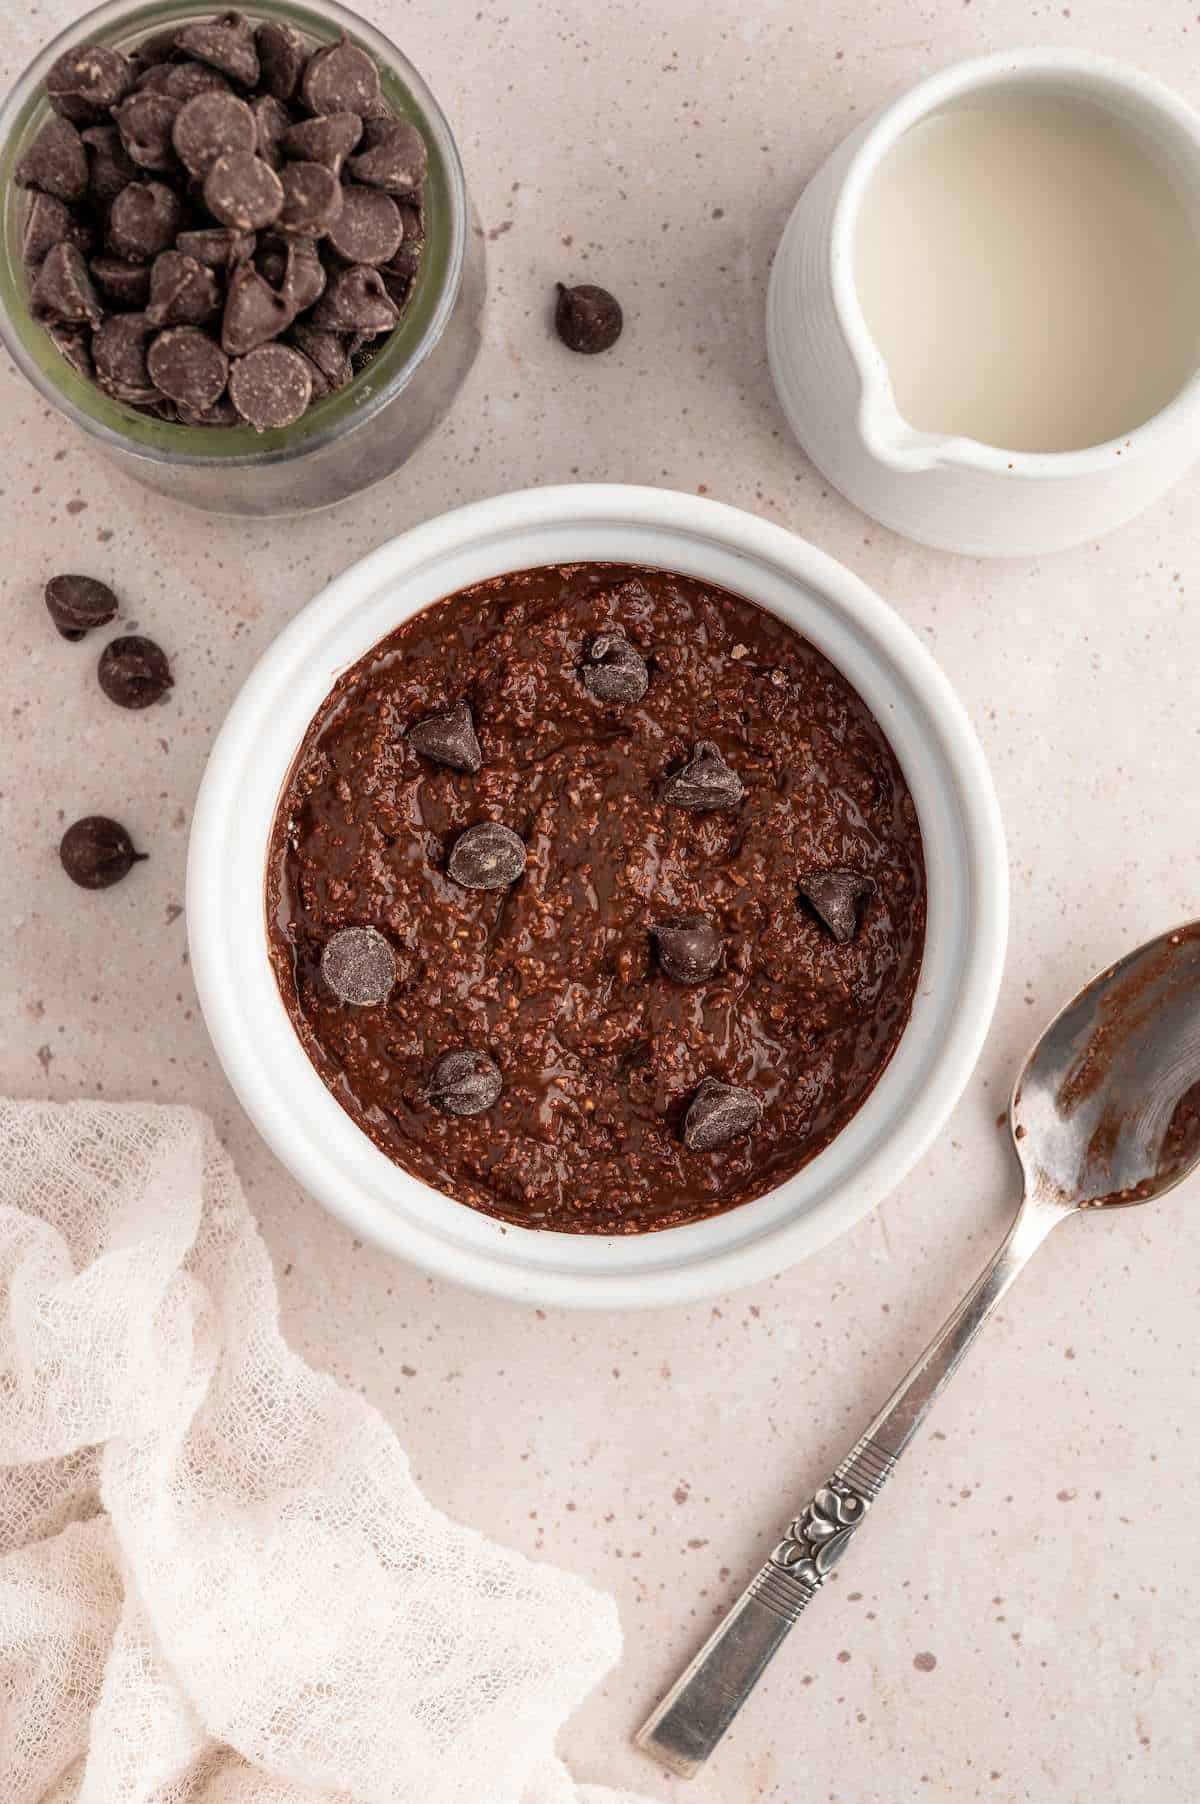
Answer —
(392, 156)
(271, 387)
(704, 783)
(359, 966)
(217, 246)
(835, 897)
(464, 1083)
(83, 83)
(281, 58)
(56, 162)
(189, 366)
(312, 199)
(449, 738)
(718, 1114)
(271, 123)
(328, 139)
(587, 318)
(614, 670)
(119, 350)
(368, 229)
(254, 312)
(227, 43)
(183, 292)
(124, 284)
(689, 947)
(243, 192)
(145, 122)
(63, 290)
(110, 166)
(486, 856)
(211, 126)
(97, 852)
(134, 672)
(327, 351)
(356, 300)
(341, 79)
(144, 219)
(76, 604)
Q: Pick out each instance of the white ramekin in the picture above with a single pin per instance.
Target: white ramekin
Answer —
(964, 851)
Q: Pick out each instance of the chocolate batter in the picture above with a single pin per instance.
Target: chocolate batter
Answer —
(722, 880)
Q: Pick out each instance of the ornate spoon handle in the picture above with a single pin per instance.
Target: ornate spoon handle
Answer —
(686, 1726)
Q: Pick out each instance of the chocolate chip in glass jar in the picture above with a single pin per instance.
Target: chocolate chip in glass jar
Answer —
(327, 351)
(211, 126)
(312, 199)
(254, 312)
(183, 81)
(392, 156)
(719, 1114)
(327, 140)
(486, 856)
(143, 221)
(359, 966)
(341, 79)
(217, 246)
(146, 123)
(183, 292)
(835, 897)
(356, 300)
(587, 318)
(449, 739)
(613, 670)
(188, 366)
(83, 83)
(97, 852)
(704, 783)
(243, 192)
(119, 352)
(63, 289)
(271, 387)
(47, 223)
(368, 229)
(110, 166)
(464, 1083)
(689, 947)
(124, 284)
(73, 343)
(304, 277)
(281, 58)
(56, 162)
(133, 672)
(227, 43)
(271, 123)
(78, 604)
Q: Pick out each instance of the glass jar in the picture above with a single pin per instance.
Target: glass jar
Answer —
(355, 436)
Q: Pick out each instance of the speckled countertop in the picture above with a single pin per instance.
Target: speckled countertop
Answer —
(1020, 1623)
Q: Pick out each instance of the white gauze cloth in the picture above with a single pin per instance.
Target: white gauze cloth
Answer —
(218, 1581)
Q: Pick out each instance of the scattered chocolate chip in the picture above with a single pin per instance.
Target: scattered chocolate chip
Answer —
(449, 738)
(587, 318)
(217, 246)
(134, 672)
(303, 279)
(144, 220)
(340, 79)
(97, 852)
(464, 1083)
(56, 162)
(125, 284)
(312, 198)
(281, 58)
(189, 367)
(689, 947)
(119, 350)
(392, 157)
(719, 1113)
(85, 82)
(271, 387)
(183, 292)
(486, 856)
(243, 192)
(835, 897)
(613, 670)
(110, 166)
(227, 43)
(145, 122)
(63, 290)
(271, 123)
(359, 966)
(356, 301)
(212, 126)
(705, 782)
(327, 351)
(327, 140)
(368, 229)
(254, 312)
(76, 604)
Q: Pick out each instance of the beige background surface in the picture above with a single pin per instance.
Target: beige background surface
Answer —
(1041, 1544)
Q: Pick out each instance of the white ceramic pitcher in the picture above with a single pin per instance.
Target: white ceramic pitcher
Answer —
(954, 492)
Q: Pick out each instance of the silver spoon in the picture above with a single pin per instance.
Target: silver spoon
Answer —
(1106, 1112)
